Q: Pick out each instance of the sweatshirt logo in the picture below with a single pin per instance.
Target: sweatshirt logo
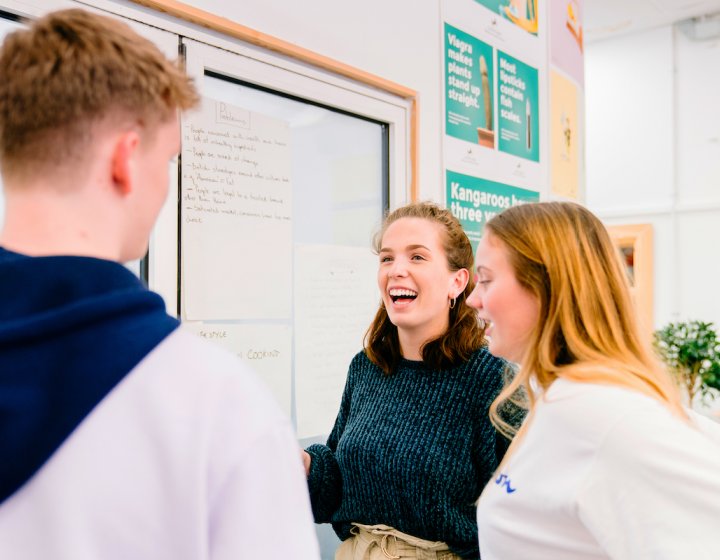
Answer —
(504, 482)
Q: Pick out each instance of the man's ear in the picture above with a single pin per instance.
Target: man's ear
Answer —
(123, 153)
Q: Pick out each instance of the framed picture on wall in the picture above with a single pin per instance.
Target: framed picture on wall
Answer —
(635, 244)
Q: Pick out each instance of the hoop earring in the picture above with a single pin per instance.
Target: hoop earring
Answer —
(453, 301)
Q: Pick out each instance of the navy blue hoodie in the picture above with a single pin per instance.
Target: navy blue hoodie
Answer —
(71, 328)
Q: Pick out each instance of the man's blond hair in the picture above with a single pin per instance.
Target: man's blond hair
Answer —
(73, 68)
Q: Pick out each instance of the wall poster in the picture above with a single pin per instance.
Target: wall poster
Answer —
(567, 78)
(519, 108)
(474, 201)
(523, 13)
(495, 84)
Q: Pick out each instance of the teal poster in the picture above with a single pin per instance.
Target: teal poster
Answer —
(523, 13)
(468, 88)
(518, 122)
(474, 201)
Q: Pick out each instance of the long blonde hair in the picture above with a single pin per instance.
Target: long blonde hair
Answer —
(588, 329)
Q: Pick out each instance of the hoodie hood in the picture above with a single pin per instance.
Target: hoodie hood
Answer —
(71, 328)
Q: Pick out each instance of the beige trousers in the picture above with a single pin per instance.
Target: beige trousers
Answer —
(380, 542)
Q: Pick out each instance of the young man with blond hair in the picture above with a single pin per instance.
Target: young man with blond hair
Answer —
(122, 436)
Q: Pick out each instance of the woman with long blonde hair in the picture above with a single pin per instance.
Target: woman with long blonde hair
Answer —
(608, 463)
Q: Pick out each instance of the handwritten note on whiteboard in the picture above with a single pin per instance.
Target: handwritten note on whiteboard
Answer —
(336, 297)
(236, 215)
(265, 348)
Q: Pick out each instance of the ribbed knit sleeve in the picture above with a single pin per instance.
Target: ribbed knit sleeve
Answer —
(325, 479)
(324, 483)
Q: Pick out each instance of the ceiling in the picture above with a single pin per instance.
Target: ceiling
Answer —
(607, 18)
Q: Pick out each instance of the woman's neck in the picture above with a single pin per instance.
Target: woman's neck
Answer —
(411, 344)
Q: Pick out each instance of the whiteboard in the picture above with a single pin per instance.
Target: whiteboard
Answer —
(236, 208)
(284, 181)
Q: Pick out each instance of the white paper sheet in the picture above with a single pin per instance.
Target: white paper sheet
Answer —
(267, 349)
(336, 297)
(236, 215)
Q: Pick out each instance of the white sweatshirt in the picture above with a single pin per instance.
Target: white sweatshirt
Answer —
(605, 472)
(188, 458)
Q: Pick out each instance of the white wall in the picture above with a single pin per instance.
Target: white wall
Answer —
(653, 156)
(398, 40)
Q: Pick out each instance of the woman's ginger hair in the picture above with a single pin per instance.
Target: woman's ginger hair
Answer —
(587, 329)
(464, 334)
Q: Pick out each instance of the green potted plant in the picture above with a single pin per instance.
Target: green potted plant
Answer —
(691, 350)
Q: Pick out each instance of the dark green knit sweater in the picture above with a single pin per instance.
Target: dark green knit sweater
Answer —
(411, 450)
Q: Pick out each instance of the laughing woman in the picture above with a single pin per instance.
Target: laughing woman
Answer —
(412, 446)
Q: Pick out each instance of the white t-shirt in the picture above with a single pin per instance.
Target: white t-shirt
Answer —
(188, 458)
(605, 472)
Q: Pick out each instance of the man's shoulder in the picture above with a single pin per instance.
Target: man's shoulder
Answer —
(197, 370)
(193, 351)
